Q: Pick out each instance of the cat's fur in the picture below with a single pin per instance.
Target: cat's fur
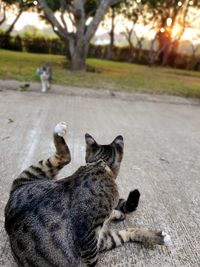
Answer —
(64, 222)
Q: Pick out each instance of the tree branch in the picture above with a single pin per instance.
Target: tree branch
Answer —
(62, 11)
(4, 15)
(183, 24)
(98, 17)
(9, 30)
(128, 33)
(72, 20)
(79, 16)
(63, 33)
(114, 2)
(63, 21)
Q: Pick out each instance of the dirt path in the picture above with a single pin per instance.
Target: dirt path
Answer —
(162, 159)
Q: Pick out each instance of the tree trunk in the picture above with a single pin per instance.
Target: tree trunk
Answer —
(78, 62)
(78, 54)
(139, 49)
(112, 32)
(131, 54)
(152, 53)
(165, 43)
(166, 53)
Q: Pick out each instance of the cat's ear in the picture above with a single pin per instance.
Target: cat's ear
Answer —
(90, 140)
(119, 141)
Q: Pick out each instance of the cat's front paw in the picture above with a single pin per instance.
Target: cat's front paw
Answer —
(117, 216)
(61, 128)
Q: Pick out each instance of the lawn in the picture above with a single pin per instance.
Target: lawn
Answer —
(109, 75)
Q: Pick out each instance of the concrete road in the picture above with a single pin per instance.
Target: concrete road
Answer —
(162, 160)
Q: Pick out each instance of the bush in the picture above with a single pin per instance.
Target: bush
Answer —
(10, 42)
(43, 45)
(33, 44)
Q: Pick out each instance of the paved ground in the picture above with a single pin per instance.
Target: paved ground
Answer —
(162, 159)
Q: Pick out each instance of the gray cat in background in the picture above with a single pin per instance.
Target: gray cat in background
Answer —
(65, 222)
(45, 73)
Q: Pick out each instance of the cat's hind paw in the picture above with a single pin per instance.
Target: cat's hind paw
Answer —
(61, 128)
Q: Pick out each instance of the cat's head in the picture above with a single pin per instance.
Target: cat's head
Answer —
(112, 154)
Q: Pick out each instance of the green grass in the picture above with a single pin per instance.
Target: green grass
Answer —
(110, 75)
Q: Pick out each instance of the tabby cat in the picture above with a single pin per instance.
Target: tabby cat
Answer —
(64, 222)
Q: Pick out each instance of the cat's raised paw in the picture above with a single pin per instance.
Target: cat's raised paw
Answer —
(166, 239)
(61, 128)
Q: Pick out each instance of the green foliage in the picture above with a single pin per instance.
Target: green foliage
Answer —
(54, 5)
(10, 2)
(160, 4)
(90, 6)
(155, 3)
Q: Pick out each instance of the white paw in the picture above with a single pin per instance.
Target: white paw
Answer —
(166, 239)
(43, 90)
(61, 128)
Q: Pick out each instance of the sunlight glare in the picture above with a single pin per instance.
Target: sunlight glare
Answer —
(169, 22)
(190, 34)
(27, 18)
(176, 31)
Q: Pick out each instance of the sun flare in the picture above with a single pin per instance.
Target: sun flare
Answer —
(188, 34)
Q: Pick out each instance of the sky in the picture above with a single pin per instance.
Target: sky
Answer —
(27, 18)
(32, 18)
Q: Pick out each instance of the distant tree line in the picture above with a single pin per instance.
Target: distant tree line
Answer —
(41, 44)
(33, 44)
(79, 20)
